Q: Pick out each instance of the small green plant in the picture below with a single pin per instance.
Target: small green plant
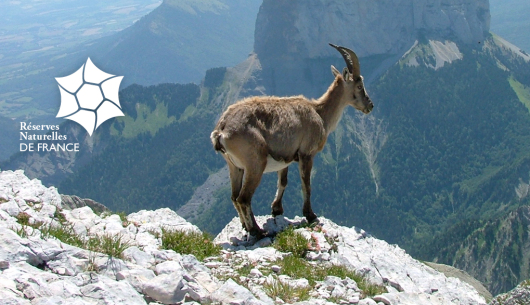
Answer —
(290, 241)
(369, 289)
(66, 234)
(23, 218)
(196, 243)
(244, 270)
(112, 245)
(297, 267)
(22, 232)
(286, 292)
(91, 265)
(58, 214)
(154, 232)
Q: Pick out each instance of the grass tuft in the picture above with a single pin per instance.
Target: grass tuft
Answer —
(295, 266)
(286, 292)
(290, 241)
(198, 244)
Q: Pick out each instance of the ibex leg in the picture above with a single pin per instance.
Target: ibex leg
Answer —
(236, 181)
(305, 165)
(252, 178)
(277, 208)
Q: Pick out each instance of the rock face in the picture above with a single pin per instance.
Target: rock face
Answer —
(291, 37)
(38, 269)
(295, 29)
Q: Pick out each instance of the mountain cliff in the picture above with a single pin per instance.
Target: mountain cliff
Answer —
(301, 29)
(291, 37)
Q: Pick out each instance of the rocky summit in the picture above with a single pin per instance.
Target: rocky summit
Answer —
(38, 267)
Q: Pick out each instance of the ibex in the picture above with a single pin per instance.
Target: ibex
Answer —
(265, 134)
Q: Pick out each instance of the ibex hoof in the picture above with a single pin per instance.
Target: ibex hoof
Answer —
(310, 217)
(257, 233)
(277, 212)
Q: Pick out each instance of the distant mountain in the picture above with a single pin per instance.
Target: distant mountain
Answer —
(180, 40)
(177, 42)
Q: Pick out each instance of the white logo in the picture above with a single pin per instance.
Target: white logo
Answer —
(89, 96)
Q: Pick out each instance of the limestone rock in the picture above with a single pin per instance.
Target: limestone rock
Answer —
(232, 293)
(39, 269)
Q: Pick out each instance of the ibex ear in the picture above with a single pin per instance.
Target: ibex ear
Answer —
(334, 71)
(346, 74)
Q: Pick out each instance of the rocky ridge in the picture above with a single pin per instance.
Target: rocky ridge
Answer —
(36, 269)
(518, 295)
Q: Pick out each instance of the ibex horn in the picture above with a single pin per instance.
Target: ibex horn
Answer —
(352, 62)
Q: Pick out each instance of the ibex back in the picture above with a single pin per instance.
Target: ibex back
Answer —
(267, 133)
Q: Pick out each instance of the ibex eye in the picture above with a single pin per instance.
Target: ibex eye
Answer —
(359, 87)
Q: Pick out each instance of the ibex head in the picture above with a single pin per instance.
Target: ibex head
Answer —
(352, 76)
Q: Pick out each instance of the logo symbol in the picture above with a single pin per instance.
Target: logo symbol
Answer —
(89, 96)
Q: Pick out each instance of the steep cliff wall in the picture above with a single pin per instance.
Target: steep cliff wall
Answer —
(292, 29)
(291, 37)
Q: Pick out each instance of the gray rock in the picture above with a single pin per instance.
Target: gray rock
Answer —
(199, 273)
(66, 264)
(367, 301)
(11, 207)
(108, 291)
(168, 267)
(57, 300)
(139, 257)
(66, 280)
(166, 288)
(71, 202)
(4, 265)
(255, 273)
(15, 249)
(64, 288)
(161, 218)
(136, 277)
(232, 293)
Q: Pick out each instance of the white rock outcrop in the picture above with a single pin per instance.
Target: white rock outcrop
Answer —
(37, 269)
